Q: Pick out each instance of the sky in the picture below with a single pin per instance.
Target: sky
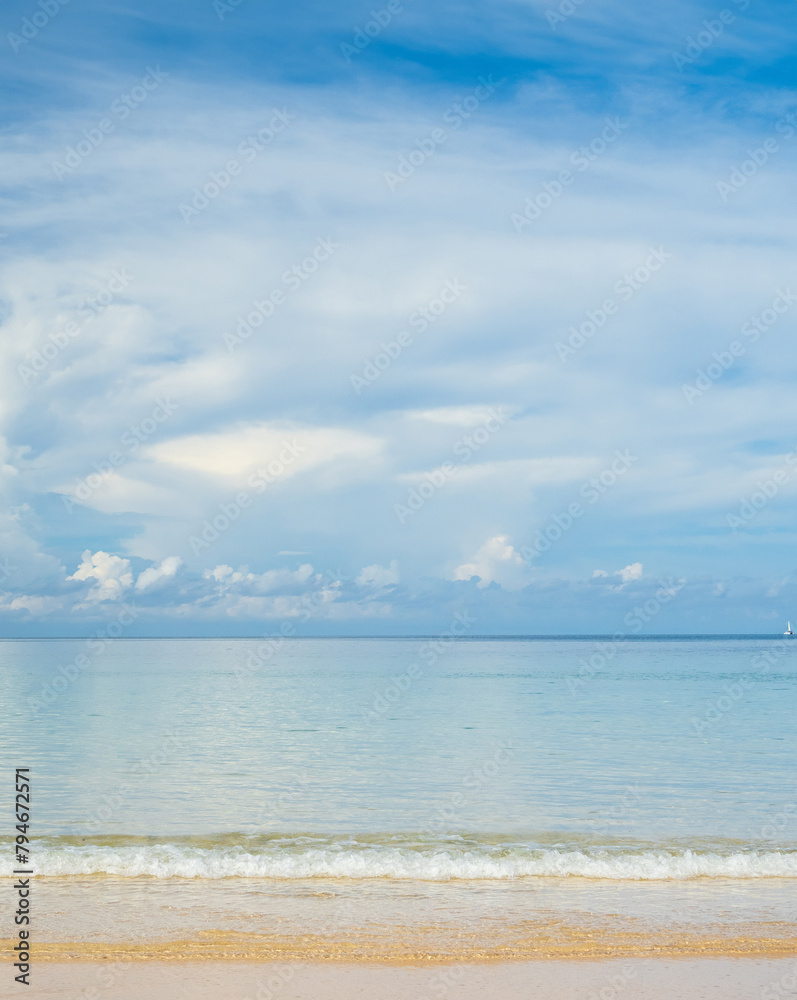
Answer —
(342, 319)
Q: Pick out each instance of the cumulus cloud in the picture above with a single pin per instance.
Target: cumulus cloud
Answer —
(282, 593)
(33, 605)
(379, 576)
(167, 568)
(496, 562)
(244, 581)
(629, 573)
(112, 574)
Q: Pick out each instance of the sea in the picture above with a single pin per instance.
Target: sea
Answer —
(461, 796)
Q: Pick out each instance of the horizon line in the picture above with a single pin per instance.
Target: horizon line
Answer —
(614, 636)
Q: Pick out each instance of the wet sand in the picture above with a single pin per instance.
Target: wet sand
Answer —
(545, 938)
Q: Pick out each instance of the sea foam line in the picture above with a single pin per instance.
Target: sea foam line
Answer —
(179, 861)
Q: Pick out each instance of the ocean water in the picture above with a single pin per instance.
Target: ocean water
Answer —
(472, 779)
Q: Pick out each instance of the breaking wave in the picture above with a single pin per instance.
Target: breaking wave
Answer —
(393, 857)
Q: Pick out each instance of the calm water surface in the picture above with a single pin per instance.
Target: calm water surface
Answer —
(689, 741)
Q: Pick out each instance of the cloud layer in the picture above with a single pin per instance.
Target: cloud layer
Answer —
(449, 320)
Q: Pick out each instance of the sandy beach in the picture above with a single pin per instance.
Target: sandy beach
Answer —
(631, 979)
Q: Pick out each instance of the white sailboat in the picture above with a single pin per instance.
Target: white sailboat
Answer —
(788, 629)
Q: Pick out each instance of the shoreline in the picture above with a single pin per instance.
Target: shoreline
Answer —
(402, 947)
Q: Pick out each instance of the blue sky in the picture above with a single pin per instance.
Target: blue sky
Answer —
(349, 319)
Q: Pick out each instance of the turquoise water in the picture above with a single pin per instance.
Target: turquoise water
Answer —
(491, 759)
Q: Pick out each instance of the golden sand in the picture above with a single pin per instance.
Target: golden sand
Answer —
(530, 940)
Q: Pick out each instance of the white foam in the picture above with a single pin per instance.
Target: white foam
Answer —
(433, 864)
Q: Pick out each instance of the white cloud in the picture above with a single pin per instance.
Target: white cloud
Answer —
(219, 573)
(283, 450)
(534, 471)
(272, 580)
(37, 607)
(112, 574)
(191, 283)
(496, 562)
(125, 494)
(379, 576)
(167, 568)
(629, 573)
(280, 593)
(457, 416)
(599, 572)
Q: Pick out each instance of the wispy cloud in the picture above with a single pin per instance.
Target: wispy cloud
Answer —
(112, 306)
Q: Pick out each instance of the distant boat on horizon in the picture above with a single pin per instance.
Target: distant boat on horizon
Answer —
(788, 629)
